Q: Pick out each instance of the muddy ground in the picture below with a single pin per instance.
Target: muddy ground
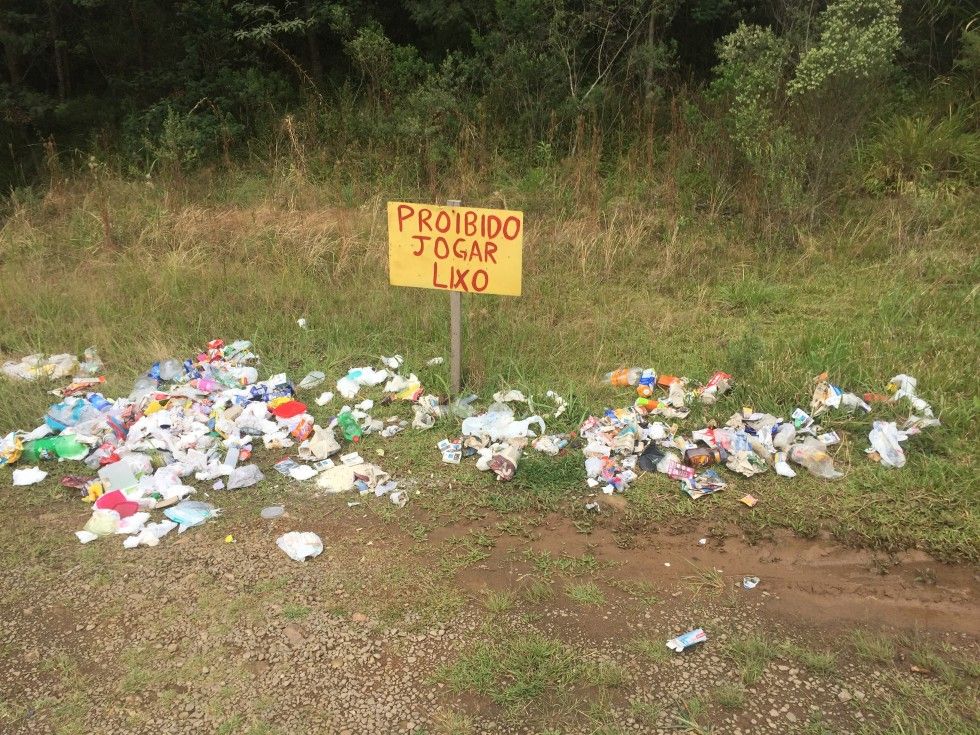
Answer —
(491, 623)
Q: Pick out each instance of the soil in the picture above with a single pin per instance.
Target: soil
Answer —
(200, 635)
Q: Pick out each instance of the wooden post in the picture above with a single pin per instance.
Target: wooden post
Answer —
(455, 329)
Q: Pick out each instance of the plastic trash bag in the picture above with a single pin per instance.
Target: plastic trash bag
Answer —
(189, 513)
(11, 447)
(150, 535)
(300, 545)
(312, 379)
(28, 476)
(244, 476)
(70, 412)
(885, 437)
(321, 445)
(498, 424)
(812, 454)
(102, 523)
(38, 366)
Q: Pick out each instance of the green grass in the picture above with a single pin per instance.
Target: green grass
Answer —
(730, 697)
(886, 286)
(291, 611)
(751, 653)
(573, 566)
(498, 602)
(872, 646)
(586, 593)
(516, 672)
(818, 662)
(652, 650)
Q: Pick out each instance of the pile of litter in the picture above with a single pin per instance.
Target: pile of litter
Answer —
(620, 442)
(497, 438)
(196, 420)
(200, 419)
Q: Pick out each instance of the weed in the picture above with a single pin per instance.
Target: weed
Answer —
(574, 566)
(751, 653)
(730, 697)
(537, 591)
(498, 602)
(819, 662)
(515, 671)
(587, 593)
(690, 715)
(873, 646)
(646, 712)
(452, 722)
(640, 591)
(651, 649)
(705, 579)
(606, 674)
(292, 611)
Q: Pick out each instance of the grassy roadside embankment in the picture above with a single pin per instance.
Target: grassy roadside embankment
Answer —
(147, 271)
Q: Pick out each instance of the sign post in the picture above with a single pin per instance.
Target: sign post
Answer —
(458, 249)
(455, 329)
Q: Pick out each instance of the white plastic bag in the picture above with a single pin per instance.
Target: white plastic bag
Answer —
(885, 437)
(300, 545)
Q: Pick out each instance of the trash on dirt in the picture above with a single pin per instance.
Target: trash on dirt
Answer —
(150, 535)
(302, 472)
(750, 583)
(686, 640)
(300, 545)
(272, 511)
(189, 513)
(702, 542)
(28, 476)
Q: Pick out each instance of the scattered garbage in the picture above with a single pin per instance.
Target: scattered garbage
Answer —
(750, 583)
(200, 420)
(686, 640)
(52, 367)
(300, 545)
(189, 513)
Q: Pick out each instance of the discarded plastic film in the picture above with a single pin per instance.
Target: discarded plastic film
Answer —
(300, 546)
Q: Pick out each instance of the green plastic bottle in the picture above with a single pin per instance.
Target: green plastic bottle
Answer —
(55, 447)
(350, 427)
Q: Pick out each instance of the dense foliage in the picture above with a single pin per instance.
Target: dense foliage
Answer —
(788, 97)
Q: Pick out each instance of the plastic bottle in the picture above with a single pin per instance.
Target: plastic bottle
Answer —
(704, 456)
(55, 447)
(99, 402)
(648, 379)
(624, 376)
(143, 386)
(812, 455)
(350, 427)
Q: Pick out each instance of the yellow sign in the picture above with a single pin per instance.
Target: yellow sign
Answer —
(455, 248)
